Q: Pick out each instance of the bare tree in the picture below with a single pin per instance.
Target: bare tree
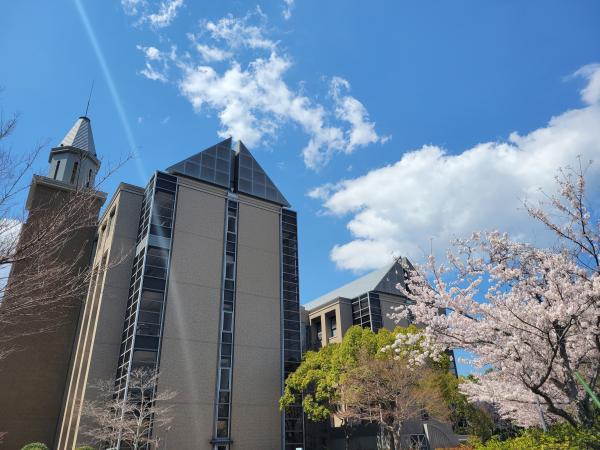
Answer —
(390, 393)
(132, 419)
(49, 274)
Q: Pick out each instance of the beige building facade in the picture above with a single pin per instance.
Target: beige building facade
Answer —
(197, 277)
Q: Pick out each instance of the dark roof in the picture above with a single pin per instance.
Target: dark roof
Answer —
(231, 168)
(380, 280)
(80, 136)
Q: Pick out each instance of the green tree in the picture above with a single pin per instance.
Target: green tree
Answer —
(319, 376)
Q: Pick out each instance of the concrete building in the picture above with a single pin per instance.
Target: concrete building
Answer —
(366, 302)
(206, 290)
(34, 377)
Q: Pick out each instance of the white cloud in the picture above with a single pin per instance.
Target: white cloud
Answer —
(131, 6)
(591, 93)
(210, 54)
(166, 13)
(147, 12)
(156, 66)
(253, 101)
(432, 195)
(238, 32)
(287, 9)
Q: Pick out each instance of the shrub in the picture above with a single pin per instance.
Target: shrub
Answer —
(36, 446)
(85, 447)
(558, 437)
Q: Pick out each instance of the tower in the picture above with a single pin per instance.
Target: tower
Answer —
(74, 161)
(33, 377)
(207, 295)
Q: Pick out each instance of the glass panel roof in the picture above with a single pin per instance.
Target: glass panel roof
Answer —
(217, 165)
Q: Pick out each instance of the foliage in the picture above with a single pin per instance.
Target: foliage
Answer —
(321, 372)
(35, 446)
(559, 437)
(85, 447)
(539, 322)
(389, 392)
(478, 421)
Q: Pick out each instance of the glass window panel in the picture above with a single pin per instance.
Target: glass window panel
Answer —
(164, 199)
(144, 356)
(156, 272)
(222, 430)
(244, 186)
(229, 269)
(223, 410)
(148, 329)
(225, 361)
(146, 342)
(222, 178)
(149, 317)
(223, 165)
(226, 337)
(227, 321)
(225, 350)
(208, 160)
(223, 396)
(207, 173)
(224, 380)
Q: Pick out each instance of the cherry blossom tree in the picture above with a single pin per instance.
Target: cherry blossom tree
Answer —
(530, 316)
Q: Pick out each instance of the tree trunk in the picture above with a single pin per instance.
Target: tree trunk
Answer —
(385, 439)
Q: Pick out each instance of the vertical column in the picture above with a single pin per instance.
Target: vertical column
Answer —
(293, 417)
(144, 317)
(222, 417)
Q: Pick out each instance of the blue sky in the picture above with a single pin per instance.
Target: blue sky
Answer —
(391, 126)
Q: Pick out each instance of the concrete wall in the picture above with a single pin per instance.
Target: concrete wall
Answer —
(188, 361)
(33, 378)
(99, 336)
(256, 387)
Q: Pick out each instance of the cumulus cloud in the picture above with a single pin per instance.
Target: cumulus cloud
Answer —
(158, 16)
(254, 101)
(430, 197)
(288, 5)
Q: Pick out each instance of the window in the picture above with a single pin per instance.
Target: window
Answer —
(333, 326)
(74, 172)
(89, 178)
(56, 169)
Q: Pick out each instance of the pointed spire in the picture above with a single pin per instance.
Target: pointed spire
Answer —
(80, 136)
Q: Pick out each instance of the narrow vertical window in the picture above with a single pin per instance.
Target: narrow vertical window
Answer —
(89, 178)
(74, 173)
(56, 169)
(333, 326)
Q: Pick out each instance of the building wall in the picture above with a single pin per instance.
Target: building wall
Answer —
(256, 386)
(33, 378)
(387, 302)
(188, 360)
(99, 337)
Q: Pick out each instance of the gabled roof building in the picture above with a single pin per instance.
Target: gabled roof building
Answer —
(207, 292)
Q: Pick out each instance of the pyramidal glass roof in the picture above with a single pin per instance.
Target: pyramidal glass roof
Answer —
(80, 136)
(234, 169)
